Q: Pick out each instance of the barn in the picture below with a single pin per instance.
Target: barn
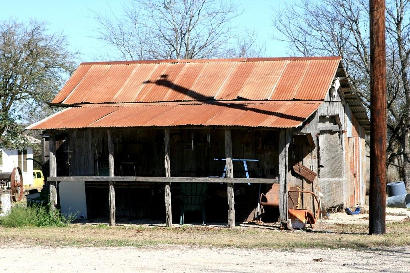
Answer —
(204, 140)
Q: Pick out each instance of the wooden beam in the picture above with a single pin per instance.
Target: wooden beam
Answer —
(151, 179)
(53, 173)
(110, 154)
(111, 188)
(167, 164)
(229, 174)
(284, 141)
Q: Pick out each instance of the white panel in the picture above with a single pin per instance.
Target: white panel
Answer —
(72, 199)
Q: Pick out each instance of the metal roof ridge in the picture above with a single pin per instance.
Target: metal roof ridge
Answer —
(193, 102)
(261, 59)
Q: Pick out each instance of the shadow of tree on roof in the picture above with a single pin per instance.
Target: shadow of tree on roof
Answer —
(163, 81)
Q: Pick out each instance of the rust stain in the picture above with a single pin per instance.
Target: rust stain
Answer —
(199, 80)
(271, 114)
(315, 84)
(147, 84)
(185, 79)
(212, 79)
(114, 79)
(72, 83)
(235, 83)
(89, 84)
(265, 92)
(290, 80)
(76, 117)
(168, 77)
(263, 79)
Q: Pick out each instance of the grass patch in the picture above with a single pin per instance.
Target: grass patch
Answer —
(330, 236)
(34, 216)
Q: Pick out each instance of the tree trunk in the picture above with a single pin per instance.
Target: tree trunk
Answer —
(406, 164)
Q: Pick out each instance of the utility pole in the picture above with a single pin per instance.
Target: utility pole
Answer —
(377, 209)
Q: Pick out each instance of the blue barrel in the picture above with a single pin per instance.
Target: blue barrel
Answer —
(396, 188)
(399, 201)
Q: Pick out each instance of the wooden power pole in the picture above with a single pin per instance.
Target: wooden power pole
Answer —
(377, 206)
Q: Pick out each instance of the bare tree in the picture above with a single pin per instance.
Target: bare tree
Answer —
(341, 27)
(175, 29)
(32, 66)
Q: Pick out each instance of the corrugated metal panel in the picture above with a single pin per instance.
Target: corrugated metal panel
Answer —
(184, 81)
(77, 117)
(164, 83)
(149, 83)
(251, 114)
(128, 90)
(89, 84)
(137, 83)
(235, 82)
(317, 80)
(71, 84)
(262, 80)
(212, 79)
(290, 80)
(129, 116)
(189, 80)
(105, 90)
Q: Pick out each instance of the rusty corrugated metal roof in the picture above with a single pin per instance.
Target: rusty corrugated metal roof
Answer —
(198, 80)
(258, 92)
(273, 114)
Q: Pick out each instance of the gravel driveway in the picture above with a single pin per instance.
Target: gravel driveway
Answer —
(24, 258)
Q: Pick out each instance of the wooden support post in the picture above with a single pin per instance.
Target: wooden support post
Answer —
(111, 200)
(284, 141)
(53, 173)
(111, 189)
(167, 163)
(229, 174)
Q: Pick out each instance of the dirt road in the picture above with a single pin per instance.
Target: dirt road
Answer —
(24, 258)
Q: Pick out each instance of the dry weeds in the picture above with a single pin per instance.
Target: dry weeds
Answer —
(324, 236)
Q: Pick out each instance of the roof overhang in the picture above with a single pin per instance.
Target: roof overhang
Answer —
(352, 99)
(269, 114)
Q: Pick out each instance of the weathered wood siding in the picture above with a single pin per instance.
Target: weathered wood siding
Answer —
(340, 151)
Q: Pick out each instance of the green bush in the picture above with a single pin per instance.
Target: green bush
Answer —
(34, 216)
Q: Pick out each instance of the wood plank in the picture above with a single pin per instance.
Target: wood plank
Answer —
(167, 164)
(111, 188)
(110, 154)
(111, 200)
(284, 141)
(53, 173)
(90, 155)
(52, 158)
(153, 179)
(229, 174)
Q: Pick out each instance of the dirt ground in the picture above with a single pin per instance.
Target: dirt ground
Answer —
(25, 255)
(22, 258)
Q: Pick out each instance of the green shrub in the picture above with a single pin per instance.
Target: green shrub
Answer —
(34, 216)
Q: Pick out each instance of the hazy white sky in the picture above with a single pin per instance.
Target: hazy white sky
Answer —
(75, 19)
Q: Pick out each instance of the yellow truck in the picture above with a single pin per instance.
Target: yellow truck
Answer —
(38, 181)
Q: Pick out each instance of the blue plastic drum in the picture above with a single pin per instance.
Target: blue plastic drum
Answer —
(396, 188)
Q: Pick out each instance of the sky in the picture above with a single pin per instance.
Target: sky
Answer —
(75, 19)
